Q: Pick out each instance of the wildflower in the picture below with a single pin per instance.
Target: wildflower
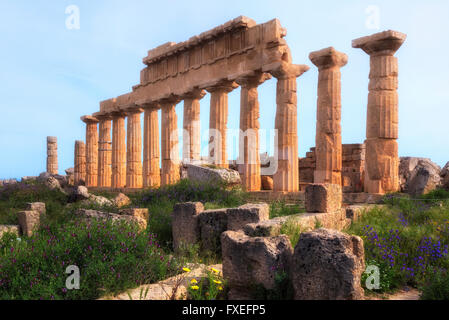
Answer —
(217, 281)
(193, 281)
(215, 270)
(186, 269)
(220, 288)
(195, 287)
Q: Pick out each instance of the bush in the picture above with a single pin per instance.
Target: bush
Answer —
(111, 257)
(436, 286)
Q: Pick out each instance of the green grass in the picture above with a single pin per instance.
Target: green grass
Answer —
(281, 209)
(292, 230)
(408, 240)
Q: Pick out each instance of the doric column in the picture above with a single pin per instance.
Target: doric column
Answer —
(80, 163)
(52, 155)
(91, 150)
(134, 150)
(104, 151)
(118, 179)
(191, 136)
(286, 177)
(219, 122)
(382, 159)
(151, 149)
(170, 145)
(328, 126)
(249, 153)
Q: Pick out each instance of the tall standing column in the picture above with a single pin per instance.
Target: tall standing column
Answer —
(52, 155)
(80, 163)
(118, 179)
(191, 137)
(249, 153)
(91, 150)
(104, 152)
(151, 149)
(382, 159)
(218, 124)
(134, 150)
(328, 126)
(286, 177)
(170, 145)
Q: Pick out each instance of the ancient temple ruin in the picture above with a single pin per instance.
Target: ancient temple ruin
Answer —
(246, 54)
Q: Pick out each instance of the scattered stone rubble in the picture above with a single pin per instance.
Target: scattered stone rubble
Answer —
(419, 175)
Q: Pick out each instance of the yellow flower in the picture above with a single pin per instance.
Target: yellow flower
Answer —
(195, 287)
(215, 270)
(217, 281)
(193, 281)
(220, 288)
(186, 269)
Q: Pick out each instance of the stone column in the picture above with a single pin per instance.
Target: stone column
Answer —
(191, 137)
(382, 159)
(91, 150)
(249, 153)
(118, 179)
(219, 122)
(104, 152)
(134, 150)
(328, 126)
(151, 149)
(286, 177)
(52, 155)
(170, 145)
(80, 163)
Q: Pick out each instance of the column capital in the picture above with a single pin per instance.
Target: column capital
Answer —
(103, 116)
(222, 85)
(196, 93)
(169, 100)
(284, 70)
(89, 119)
(253, 79)
(151, 105)
(382, 43)
(133, 110)
(328, 58)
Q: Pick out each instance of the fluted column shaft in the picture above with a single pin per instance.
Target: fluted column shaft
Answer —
(118, 179)
(328, 127)
(104, 153)
(91, 151)
(151, 149)
(52, 155)
(80, 163)
(134, 150)
(249, 151)
(218, 123)
(170, 145)
(191, 137)
(286, 177)
(382, 158)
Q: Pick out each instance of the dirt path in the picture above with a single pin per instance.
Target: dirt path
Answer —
(404, 294)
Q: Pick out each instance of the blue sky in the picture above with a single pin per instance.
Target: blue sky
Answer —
(50, 76)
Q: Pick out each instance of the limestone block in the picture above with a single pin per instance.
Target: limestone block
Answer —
(185, 226)
(267, 183)
(36, 206)
(121, 200)
(212, 224)
(327, 265)
(28, 221)
(418, 175)
(251, 261)
(99, 215)
(142, 213)
(445, 176)
(9, 229)
(248, 213)
(323, 197)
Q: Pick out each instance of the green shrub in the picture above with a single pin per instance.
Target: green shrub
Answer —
(436, 286)
(111, 257)
(292, 230)
(281, 209)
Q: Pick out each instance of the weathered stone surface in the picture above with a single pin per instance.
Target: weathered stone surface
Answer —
(91, 150)
(134, 151)
(248, 213)
(445, 176)
(191, 137)
(382, 160)
(93, 214)
(6, 182)
(98, 200)
(104, 152)
(328, 129)
(323, 198)
(118, 179)
(212, 223)
(28, 221)
(50, 181)
(327, 265)
(208, 174)
(36, 206)
(28, 179)
(151, 149)
(80, 163)
(170, 173)
(121, 200)
(79, 193)
(70, 175)
(52, 155)
(185, 226)
(267, 183)
(249, 261)
(142, 213)
(418, 175)
(9, 229)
